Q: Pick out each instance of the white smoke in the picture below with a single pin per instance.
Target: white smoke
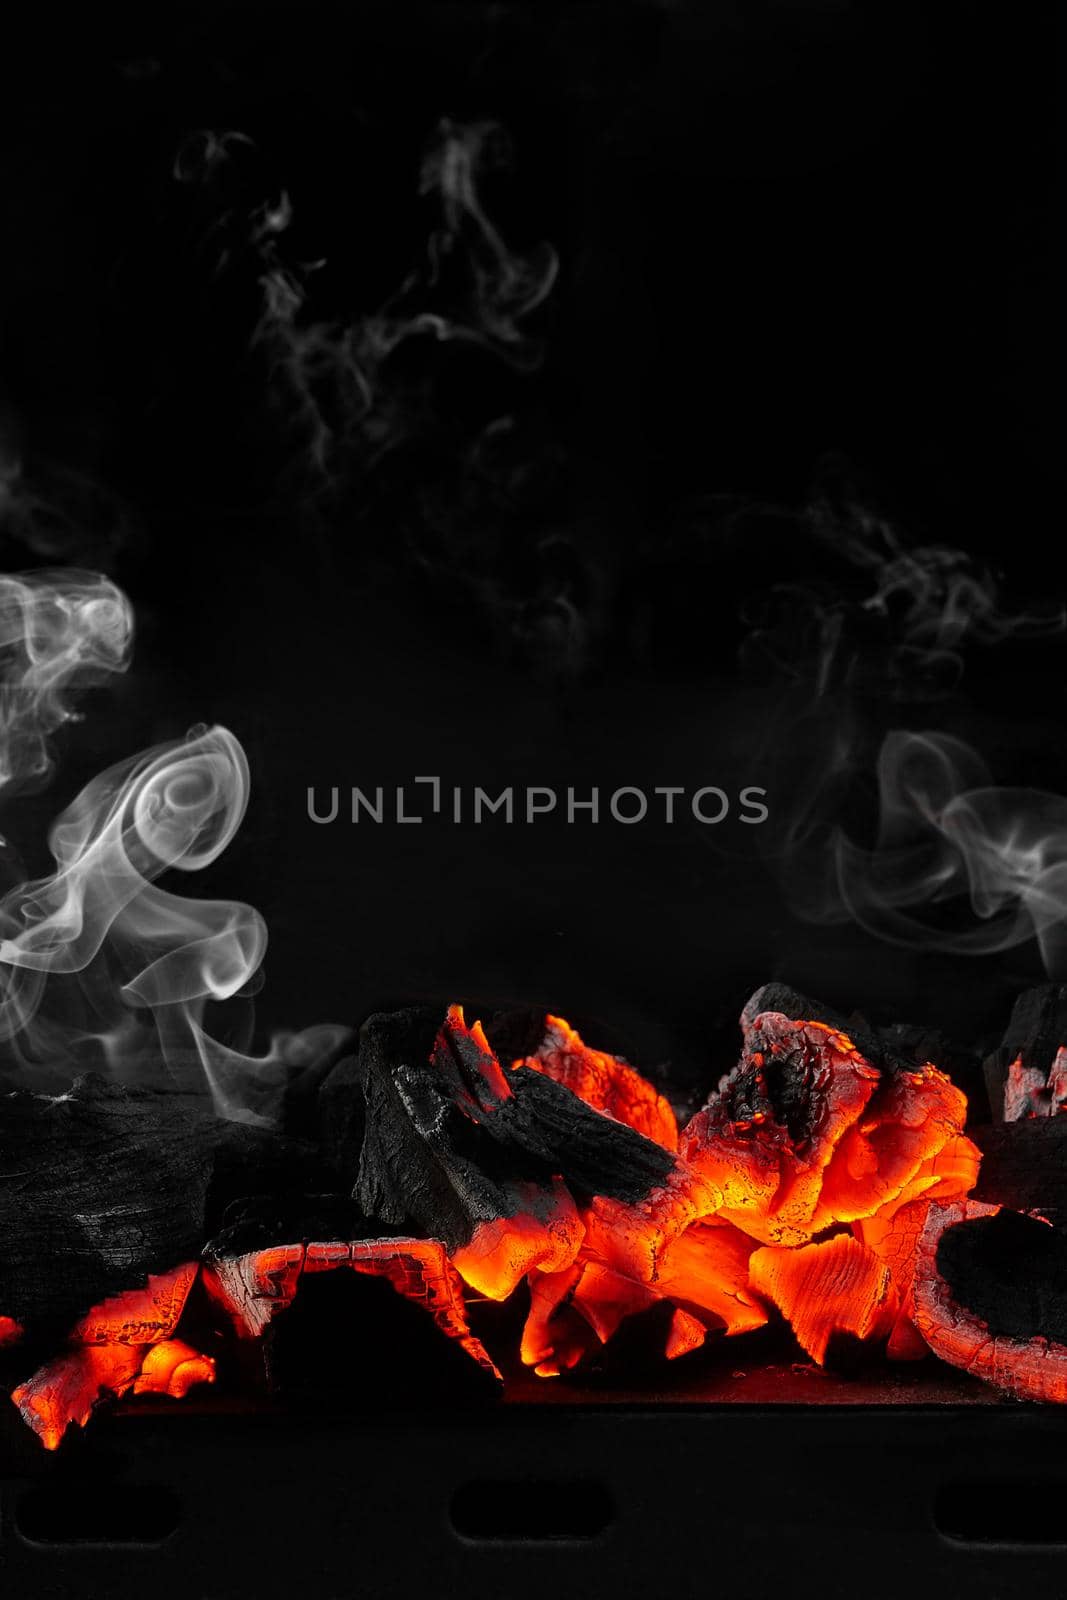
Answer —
(60, 632)
(142, 963)
(959, 863)
(333, 376)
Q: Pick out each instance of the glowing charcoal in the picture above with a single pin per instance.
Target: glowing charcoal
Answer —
(839, 1286)
(172, 1368)
(68, 1389)
(604, 1082)
(555, 1336)
(139, 1316)
(990, 1297)
(546, 1235)
(769, 1133)
(254, 1287)
(806, 1132)
(703, 1274)
(492, 1163)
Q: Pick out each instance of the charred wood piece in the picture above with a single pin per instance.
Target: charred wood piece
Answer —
(1026, 1075)
(991, 1296)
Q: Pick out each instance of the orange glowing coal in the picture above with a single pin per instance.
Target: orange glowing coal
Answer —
(604, 1082)
(10, 1331)
(806, 1149)
(123, 1345)
(804, 1189)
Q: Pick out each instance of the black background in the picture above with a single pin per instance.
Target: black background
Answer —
(784, 230)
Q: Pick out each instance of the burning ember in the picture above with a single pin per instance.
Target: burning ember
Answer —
(1030, 1093)
(823, 1182)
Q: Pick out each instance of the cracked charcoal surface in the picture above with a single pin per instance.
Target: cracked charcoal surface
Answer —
(1010, 1271)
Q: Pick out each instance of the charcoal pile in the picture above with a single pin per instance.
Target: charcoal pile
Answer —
(432, 1167)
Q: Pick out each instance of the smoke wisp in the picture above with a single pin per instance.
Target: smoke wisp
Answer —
(954, 862)
(958, 864)
(100, 966)
(60, 633)
(348, 398)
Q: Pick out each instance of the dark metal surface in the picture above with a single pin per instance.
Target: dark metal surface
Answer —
(758, 1500)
